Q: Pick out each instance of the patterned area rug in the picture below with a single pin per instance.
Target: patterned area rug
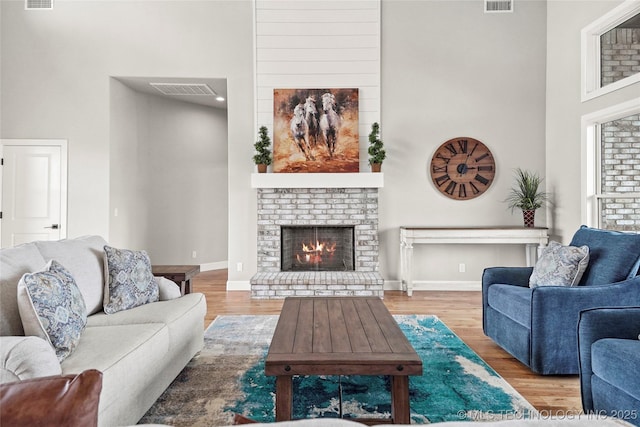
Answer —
(227, 377)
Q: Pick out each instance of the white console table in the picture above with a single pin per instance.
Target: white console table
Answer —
(534, 240)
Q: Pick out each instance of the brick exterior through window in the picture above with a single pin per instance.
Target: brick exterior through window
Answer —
(620, 174)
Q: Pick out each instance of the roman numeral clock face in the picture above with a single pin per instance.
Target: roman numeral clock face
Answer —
(462, 168)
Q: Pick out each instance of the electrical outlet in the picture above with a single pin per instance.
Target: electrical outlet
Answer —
(194, 254)
(115, 212)
(239, 266)
(462, 268)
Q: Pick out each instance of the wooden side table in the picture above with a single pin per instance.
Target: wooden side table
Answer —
(180, 274)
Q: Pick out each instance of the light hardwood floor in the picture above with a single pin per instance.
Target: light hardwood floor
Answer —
(460, 311)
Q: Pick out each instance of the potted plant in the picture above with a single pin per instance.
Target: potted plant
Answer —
(376, 152)
(262, 158)
(527, 195)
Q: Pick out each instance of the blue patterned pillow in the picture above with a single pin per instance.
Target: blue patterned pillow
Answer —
(129, 280)
(51, 307)
(560, 266)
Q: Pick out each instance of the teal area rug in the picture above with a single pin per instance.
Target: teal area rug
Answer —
(227, 377)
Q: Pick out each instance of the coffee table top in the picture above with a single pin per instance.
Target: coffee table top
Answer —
(339, 336)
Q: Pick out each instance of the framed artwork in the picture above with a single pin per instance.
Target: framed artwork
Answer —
(315, 130)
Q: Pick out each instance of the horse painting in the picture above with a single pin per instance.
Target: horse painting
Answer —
(329, 122)
(315, 130)
(311, 116)
(300, 131)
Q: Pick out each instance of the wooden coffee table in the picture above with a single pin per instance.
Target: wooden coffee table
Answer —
(340, 336)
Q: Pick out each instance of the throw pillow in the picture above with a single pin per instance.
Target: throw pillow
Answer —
(129, 280)
(560, 266)
(51, 307)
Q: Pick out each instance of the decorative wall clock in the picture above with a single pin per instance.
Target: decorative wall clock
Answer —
(462, 168)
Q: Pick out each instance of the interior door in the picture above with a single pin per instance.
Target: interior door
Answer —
(33, 191)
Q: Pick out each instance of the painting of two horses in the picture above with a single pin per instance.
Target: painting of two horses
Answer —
(315, 130)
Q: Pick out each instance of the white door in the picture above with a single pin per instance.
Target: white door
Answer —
(33, 191)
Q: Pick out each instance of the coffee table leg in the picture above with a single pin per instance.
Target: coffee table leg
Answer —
(400, 399)
(284, 397)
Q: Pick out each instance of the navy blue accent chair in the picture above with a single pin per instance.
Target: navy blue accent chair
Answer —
(538, 326)
(610, 362)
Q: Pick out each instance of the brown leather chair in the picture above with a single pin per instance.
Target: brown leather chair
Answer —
(61, 400)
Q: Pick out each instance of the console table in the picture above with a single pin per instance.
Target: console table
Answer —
(534, 239)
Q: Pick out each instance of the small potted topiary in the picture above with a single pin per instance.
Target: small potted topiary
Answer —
(527, 195)
(262, 158)
(376, 152)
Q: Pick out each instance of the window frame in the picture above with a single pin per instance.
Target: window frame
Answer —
(590, 43)
(591, 159)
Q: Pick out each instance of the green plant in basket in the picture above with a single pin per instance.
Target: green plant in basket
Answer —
(376, 151)
(526, 193)
(263, 152)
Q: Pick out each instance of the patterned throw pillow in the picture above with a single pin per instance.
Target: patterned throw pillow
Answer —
(560, 266)
(129, 280)
(51, 307)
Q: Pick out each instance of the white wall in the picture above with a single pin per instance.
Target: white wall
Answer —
(564, 108)
(127, 192)
(449, 70)
(168, 178)
(187, 181)
(55, 77)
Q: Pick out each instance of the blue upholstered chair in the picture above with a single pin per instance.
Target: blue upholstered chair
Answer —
(610, 362)
(538, 326)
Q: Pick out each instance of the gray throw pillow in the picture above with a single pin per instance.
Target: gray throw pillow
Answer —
(52, 308)
(128, 280)
(560, 266)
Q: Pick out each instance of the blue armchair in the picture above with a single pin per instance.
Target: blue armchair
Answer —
(538, 325)
(609, 360)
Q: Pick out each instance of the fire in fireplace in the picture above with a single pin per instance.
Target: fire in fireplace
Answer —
(317, 248)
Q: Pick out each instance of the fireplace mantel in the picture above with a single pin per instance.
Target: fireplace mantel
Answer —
(317, 180)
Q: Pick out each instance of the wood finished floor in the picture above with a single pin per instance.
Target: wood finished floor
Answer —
(460, 311)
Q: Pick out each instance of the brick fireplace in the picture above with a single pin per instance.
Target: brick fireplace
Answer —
(310, 205)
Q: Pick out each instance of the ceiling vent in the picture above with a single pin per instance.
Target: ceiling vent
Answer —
(38, 4)
(183, 88)
(498, 6)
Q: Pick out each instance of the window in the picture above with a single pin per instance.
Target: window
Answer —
(613, 167)
(620, 52)
(610, 53)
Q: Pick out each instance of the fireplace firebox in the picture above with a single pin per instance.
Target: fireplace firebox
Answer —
(317, 248)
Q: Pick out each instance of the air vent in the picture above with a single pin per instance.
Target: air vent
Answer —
(498, 6)
(38, 4)
(183, 88)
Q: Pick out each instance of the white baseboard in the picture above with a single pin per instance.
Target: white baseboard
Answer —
(238, 285)
(436, 285)
(220, 265)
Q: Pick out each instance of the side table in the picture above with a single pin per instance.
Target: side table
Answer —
(180, 274)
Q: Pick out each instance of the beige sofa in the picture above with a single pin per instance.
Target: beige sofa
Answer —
(139, 351)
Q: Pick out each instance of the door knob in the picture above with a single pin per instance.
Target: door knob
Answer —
(54, 226)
